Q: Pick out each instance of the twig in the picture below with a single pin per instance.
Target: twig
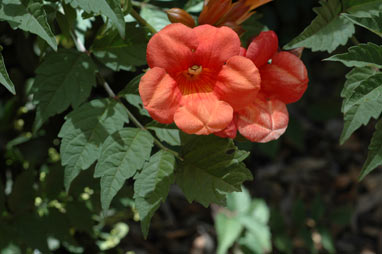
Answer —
(142, 21)
(136, 122)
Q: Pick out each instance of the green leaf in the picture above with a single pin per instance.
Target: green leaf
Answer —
(136, 101)
(374, 158)
(372, 23)
(168, 133)
(362, 55)
(155, 17)
(365, 103)
(327, 240)
(121, 54)
(213, 163)
(4, 78)
(327, 31)
(362, 7)
(227, 230)
(109, 8)
(28, 16)
(65, 78)
(353, 79)
(258, 235)
(122, 154)
(152, 186)
(84, 131)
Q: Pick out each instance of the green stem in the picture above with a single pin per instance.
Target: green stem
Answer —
(142, 21)
(354, 40)
(135, 120)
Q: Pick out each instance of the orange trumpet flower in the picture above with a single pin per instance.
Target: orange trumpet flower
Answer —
(284, 80)
(197, 78)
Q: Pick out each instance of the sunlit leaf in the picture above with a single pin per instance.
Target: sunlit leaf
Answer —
(152, 186)
(28, 16)
(364, 104)
(121, 54)
(4, 77)
(84, 131)
(64, 78)
(109, 8)
(327, 31)
(122, 154)
(361, 55)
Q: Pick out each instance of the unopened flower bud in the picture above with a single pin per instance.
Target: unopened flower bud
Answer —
(213, 11)
(177, 15)
(237, 28)
(242, 10)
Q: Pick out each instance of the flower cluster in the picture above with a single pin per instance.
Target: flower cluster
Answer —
(201, 79)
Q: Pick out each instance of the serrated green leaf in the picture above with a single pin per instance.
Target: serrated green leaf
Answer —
(4, 77)
(365, 103)
(213, 163)
(122, 154)
(372, 22)
(362, 7)
(227, 230)
(65, 78)
(354, 79)
(155, 17)
(67, 20)
(152, 186)
(84, 131)
(362, 55)
(28, 16)
(168, 133)
(119, 54)
(374, 157)
(327, 31)
(109, 8)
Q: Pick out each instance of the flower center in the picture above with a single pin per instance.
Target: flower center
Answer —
(194, 70)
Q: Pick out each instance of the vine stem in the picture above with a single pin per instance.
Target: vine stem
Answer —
(142, 21)
(354, 40)
(80, 47)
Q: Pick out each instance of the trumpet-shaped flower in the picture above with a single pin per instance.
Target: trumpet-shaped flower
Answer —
(284, 80)
(197, 78)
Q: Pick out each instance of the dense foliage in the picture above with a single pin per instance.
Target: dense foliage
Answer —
(82, 159)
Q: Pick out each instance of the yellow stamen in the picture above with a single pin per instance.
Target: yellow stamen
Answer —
(194, 70)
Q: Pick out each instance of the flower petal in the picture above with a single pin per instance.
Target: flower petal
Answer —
(160, 95)
(243, 51)
(172, 48)
(216, 45)
(263, 121)
(229, 132)
(262, 48)
(286, 78)
(203, 114)
(238, 82)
